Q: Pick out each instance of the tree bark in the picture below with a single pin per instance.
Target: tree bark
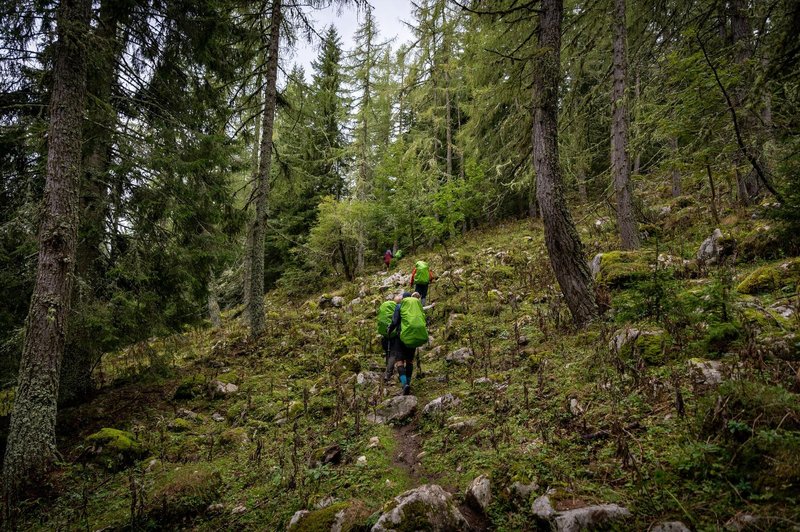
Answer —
(256, 298)
(628, 232)
(746, 182)
(563, 243)
(248, 244)
(214, 313)
(31, 442)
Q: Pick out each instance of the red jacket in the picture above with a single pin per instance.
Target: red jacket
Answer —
(414, 272)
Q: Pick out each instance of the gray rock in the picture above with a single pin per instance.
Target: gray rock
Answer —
(428, 507)
(708, 372)
(441, 404)
(709, 250)
(745, 522)
(367, 377)
(216, 416)
(594, 266)
(590, 517)
(459, 356)
(396, 279)
(575, 407)
(185, 413)
(479, 493)
(337, 301)
(523, 491)
(542, 508)
(224, 388)
(395, 409)
(298, 515)
(462, 426)
(216, 508)
(325, 502)
(670, 526)
(482, 381)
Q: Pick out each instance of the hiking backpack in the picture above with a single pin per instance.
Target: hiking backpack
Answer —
(413, 330)
(385, 314)
(423, 275)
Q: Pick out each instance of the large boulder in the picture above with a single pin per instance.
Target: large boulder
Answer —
(336, 517)
(479, 493)
(395, 410)
(114, 449)
(591, 517)
(428, 507)
(650, 345)
(771, 277)
(184, 491)
(619, 269)
(709, 249)
(441, 404)
(459, 356)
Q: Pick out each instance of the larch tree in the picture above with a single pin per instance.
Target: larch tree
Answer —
(561, 237)
(31, 443)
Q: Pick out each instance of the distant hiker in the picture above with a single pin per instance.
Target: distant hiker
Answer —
(385, 314)
(421, 277)
(409, 323)
(387, 259)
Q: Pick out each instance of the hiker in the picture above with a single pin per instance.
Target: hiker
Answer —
(408, 322)
(387, 259)
(385, 314)
(421, 276)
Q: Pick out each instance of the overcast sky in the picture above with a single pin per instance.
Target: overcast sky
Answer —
(389, 15)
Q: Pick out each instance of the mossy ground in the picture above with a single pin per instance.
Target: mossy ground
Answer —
(647, 434)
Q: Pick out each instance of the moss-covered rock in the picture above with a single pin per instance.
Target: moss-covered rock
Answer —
(427, 507)
(343, 516)
(764, 242)
(180, 425)
(771, 277)
(114, 449)
(233, 437)
(649, 345)
(349, 364)
(619, 269)
(189, 388)
(720, 337)
(184, 491)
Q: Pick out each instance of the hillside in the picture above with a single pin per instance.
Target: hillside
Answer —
(680, 404)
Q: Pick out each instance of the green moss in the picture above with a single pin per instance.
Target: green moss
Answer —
(115, 449)
(229, 377)
(180, 425)
(652, 347)
(190, 388)
(619, 269)
(233, 437)
(349, 363)
(184, 491)
(771, 277)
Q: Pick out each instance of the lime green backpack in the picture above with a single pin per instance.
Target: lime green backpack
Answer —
(423, 275)
(413, 330)
(385, 314)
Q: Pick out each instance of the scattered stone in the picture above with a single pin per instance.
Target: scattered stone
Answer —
(441, 404)
(361, 460)
(240, 509)
(575, 407)
(459, 356)
(337, 301)
(594, 266)
(396, 279)
(296, 518)
(114, 449)
(523, 491)
(421, 455)
(374, 442)
(332, 454)
(185, 413)
(395, 409)
(523, 340)
(180, 425)
(708, 372)
(462, 427)
(366, 377)
(590, 517)
(325, 502)
(224, 388)
(542, 508)
(650, 345)
(337, 517)
(670, 526)
(428, 507)
(216, 416)
(744, 522)
(216, 508)
(783, 310)
(481, 381)
(715, 247)
(479, 493)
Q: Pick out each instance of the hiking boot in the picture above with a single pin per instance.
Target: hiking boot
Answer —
(406, 389)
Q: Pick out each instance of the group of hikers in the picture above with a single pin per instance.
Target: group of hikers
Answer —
(403, 326)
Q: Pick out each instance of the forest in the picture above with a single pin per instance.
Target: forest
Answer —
(192, 237)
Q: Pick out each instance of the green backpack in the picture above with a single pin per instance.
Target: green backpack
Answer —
(385, 314)
(423, 275)
(413, 331)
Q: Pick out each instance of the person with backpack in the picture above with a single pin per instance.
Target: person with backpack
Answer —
(385, 314)
(409, 324)
(387, 259)
(421, 277)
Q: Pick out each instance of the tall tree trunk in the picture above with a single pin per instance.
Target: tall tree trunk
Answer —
(675, 173)
(214, 313)
(746, 182)
(248, 243)
(563, 243)
(256, 298)
(31, 442)
(628, 232)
